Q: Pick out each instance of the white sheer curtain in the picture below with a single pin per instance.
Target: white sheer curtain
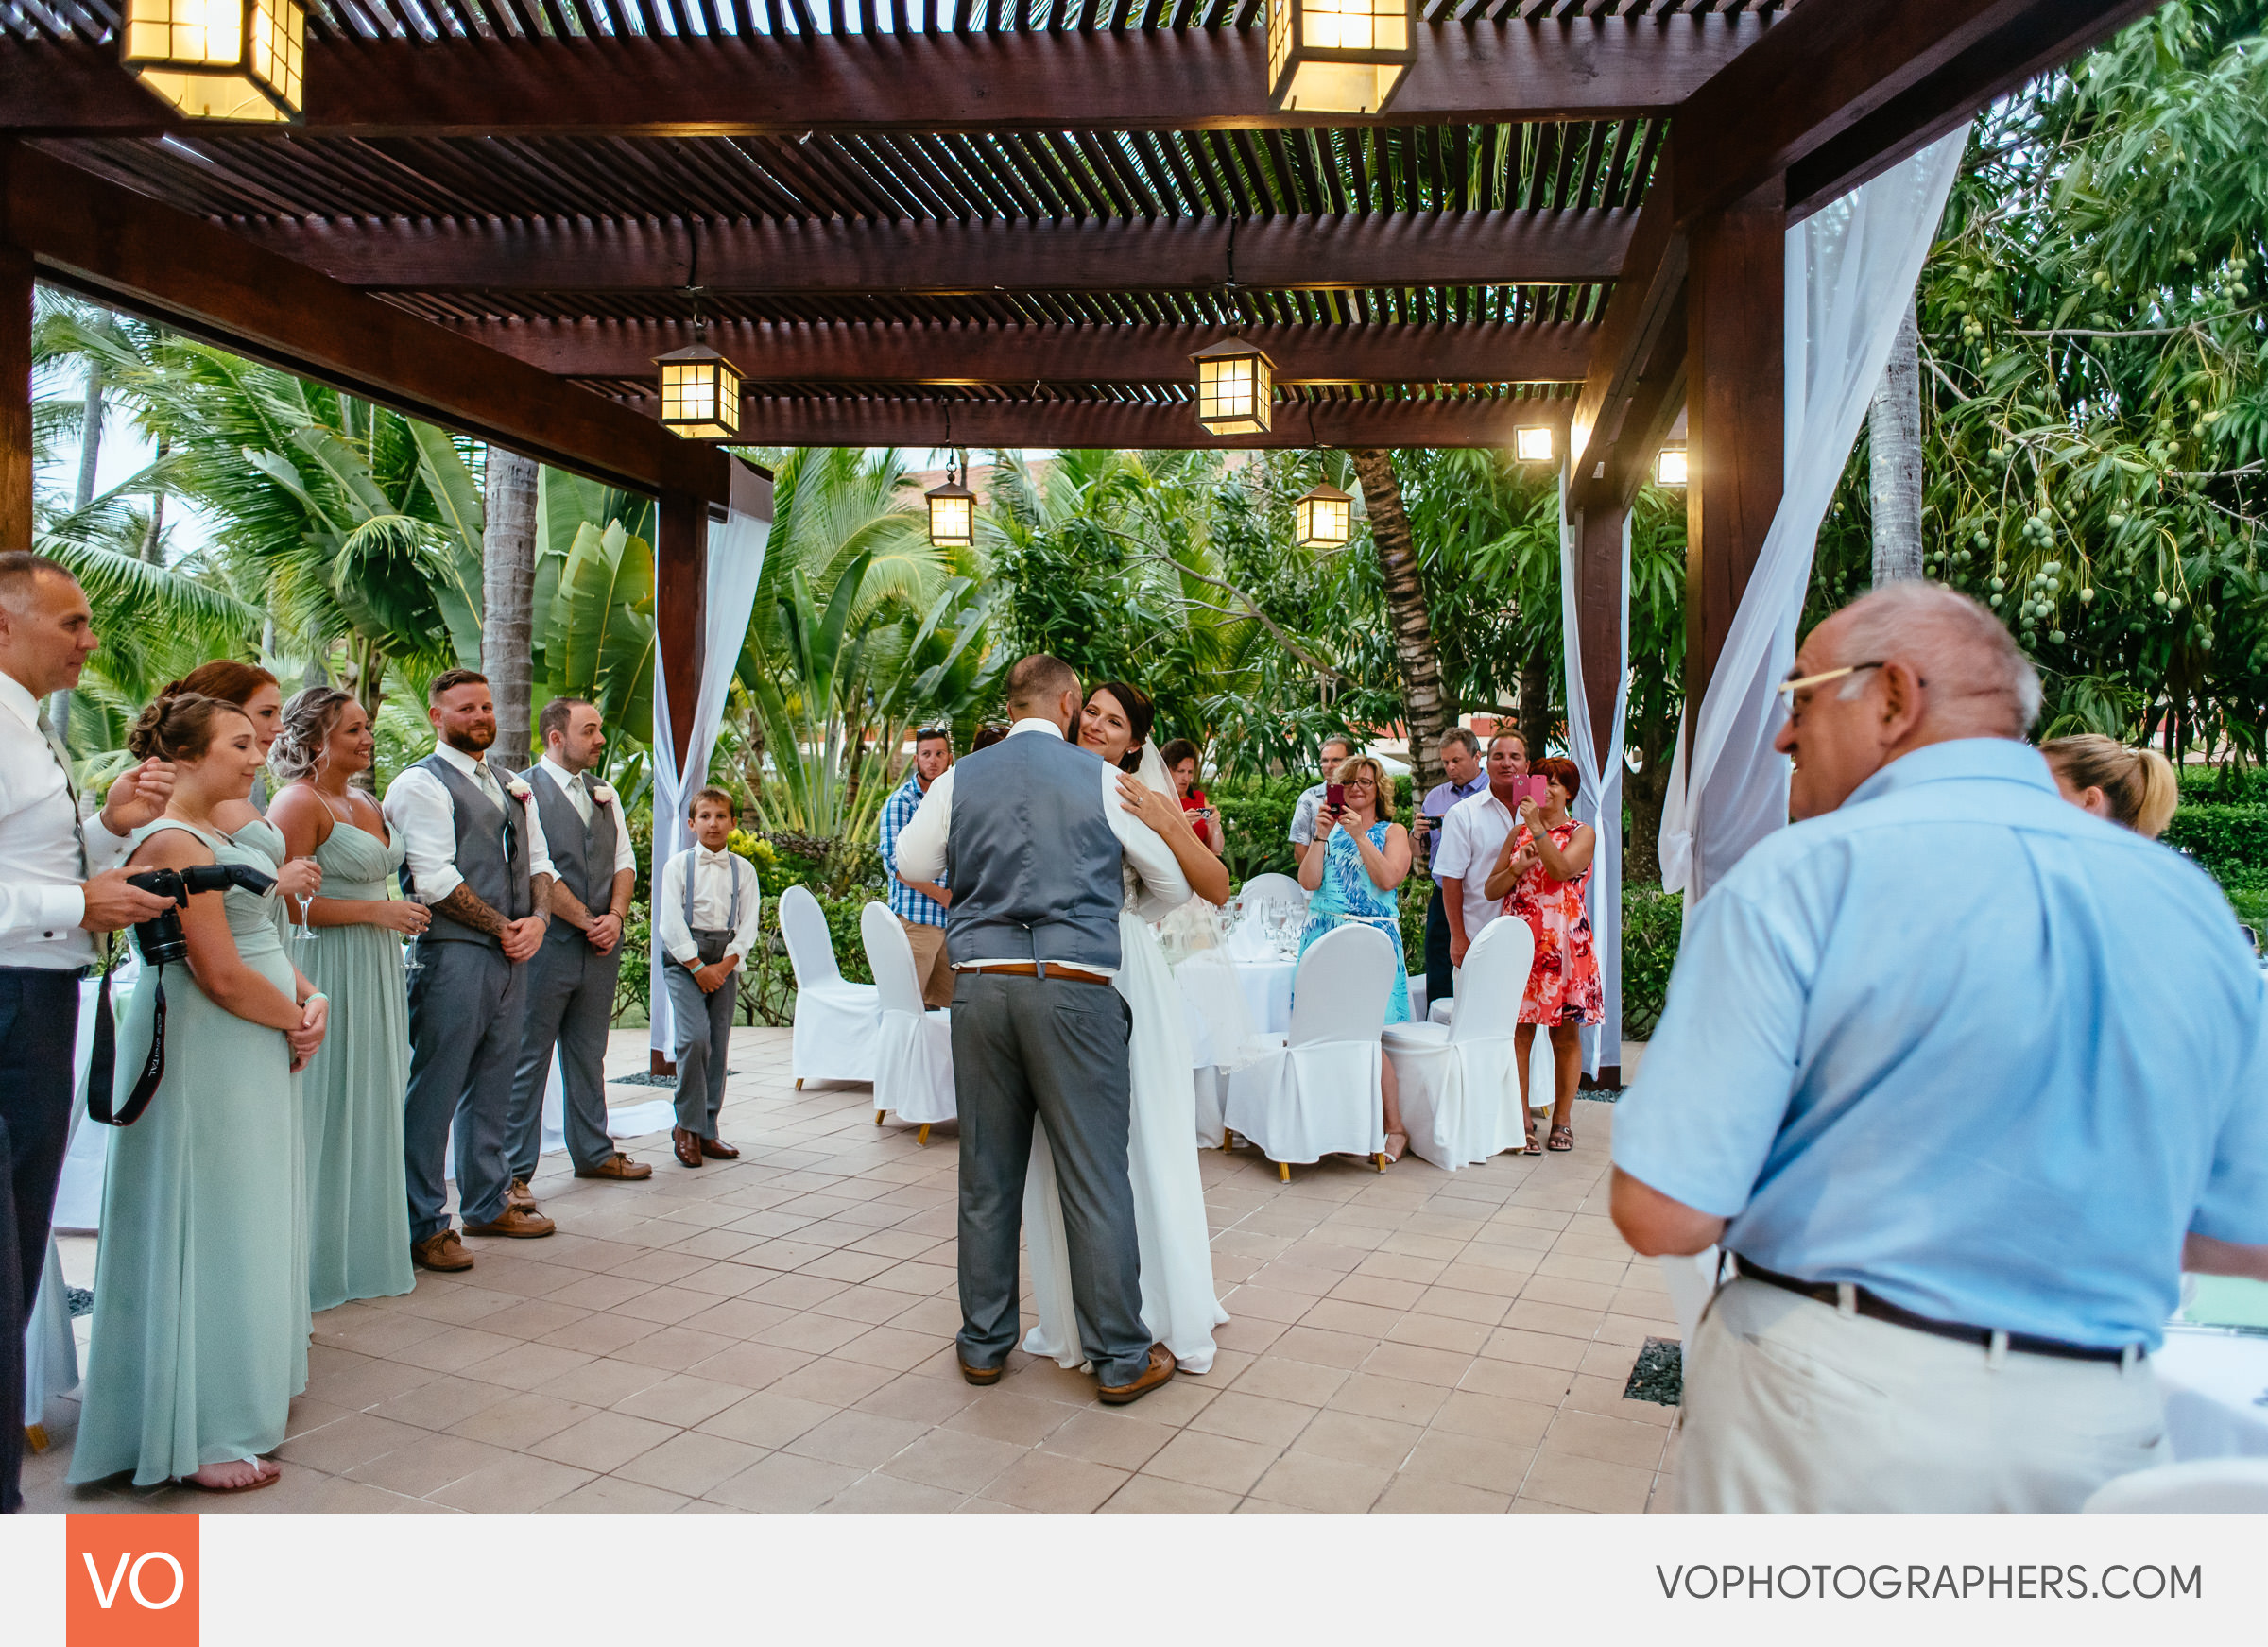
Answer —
(1600, 805)
(735, 562)
(1850, 268)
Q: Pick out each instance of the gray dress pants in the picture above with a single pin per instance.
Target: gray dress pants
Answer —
(1056, 1049)
(570, 1005)
(701, 1034)
(465, 1007)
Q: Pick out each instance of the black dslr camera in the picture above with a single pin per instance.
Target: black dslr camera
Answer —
(162, 941)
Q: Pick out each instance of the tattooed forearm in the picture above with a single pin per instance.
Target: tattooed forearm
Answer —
(466, 906)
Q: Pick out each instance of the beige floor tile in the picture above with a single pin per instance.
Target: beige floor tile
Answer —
(1356, 1438)
(602, 1382)
(1552, 1350)
(1343, 1315)
(1462, 1338)
(690, 1464)
(785, 1482)
(355, 1439)
(836, 1383)
(1497, 1467)
(888, 1495)
(1052, 1482)
(1312, 1481)
(1005, 1415)
(531, 1318)
(737, 1318)
(1615, 1440)
(1221, 1461)
(520, 1421)
(1267, 1304)
(1400, 1399)
(753, 1366)
(603, 1442)
(1115, 1436)
(429, 1464)
(1494, 1417)
(1287, 1380)
(610, 1495)
(1380, 1291)
(862, 1440)
(1417, 1365)
(597, 1334)
(767, 1419)
(954, 1461)
(528, 1366)
(1156, 1496)
(1417, 1495)
(683, 1401)
(1518, 1379)
(1588, 1484)
(1250, 1418)
(1309, 1343)
(518, 1485)
(437, 1405)
(1573, 1294)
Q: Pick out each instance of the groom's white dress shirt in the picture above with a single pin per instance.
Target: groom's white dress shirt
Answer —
(625, 855)
(922, 846)
(712, 876)
(418, 809)
(41, 903)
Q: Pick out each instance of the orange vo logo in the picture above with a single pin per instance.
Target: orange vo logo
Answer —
(132, 1581)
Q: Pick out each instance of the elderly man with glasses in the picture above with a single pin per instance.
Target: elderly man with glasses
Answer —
(919, 905)
(1959, 1078)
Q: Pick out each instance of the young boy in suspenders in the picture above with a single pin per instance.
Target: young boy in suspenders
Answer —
(705, 912)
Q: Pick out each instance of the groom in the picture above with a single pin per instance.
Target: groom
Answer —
(1034, 857)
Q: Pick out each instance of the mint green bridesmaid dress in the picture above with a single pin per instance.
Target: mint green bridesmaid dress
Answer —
(358, 1207)
(199, 1334)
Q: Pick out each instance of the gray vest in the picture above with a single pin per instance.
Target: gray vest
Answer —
(1033, 861)
(582, 854)
(497, 875)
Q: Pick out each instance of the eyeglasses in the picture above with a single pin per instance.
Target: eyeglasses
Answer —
(1796, 683)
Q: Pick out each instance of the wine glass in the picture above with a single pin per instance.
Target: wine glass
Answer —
(411, 965)
(306, 933)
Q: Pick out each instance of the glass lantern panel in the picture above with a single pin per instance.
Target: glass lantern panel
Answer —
(952, 522)
(278, 49)
(1343, 87)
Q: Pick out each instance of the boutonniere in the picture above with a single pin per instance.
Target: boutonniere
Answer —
(603, 794)
(517, 788)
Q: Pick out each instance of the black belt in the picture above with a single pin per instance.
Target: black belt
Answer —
(1874, 1304)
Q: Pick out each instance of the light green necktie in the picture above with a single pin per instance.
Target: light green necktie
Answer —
(63, 761)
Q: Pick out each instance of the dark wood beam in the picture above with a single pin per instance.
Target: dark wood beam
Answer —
(862, 354)
(1837, 94)
(780, 420)
(1579, 68)
(15, 374)
(1635, 379)
(681, 588)
(1387, 248)
(128, 250)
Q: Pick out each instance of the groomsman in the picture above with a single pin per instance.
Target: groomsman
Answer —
(570, 982)
(477, 859)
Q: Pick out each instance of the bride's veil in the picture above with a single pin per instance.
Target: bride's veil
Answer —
(1152, 772)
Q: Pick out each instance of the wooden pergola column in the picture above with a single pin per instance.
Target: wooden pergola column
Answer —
(1735, 390)
(15, 378)
(680, 593)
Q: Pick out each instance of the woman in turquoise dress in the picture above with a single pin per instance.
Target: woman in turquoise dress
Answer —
(199, 1341)
(358, 1208)
(1359, 857)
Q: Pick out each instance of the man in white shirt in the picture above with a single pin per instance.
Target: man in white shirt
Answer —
(477, 859)
(1304, 810)
(1472, 834)
(60, 884)
(571, 981)
(706, 902)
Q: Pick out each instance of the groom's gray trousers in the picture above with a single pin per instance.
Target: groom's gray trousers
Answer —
(1054, 1048)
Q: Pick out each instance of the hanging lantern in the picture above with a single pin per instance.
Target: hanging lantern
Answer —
(700, 393)
(1533, 445)
(219, 60)
(1322, 518)
(1669, 468)
(1338, 57)
(1236, 383)
(951, 512)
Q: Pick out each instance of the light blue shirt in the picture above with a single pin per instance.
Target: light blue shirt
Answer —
(1962, 1043)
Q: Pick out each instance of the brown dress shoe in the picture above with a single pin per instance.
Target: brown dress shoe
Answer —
(688, 1145)
(520, 1195)
(520, 1222)
(440, 1251)
(717, 1149)
(1161, 1368)
(617, 1166)
(977, 1375)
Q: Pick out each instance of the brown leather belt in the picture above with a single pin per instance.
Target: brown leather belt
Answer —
(1031, 970)
(1874, 1304)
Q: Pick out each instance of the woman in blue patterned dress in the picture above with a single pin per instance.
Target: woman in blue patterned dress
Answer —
(1366, 856)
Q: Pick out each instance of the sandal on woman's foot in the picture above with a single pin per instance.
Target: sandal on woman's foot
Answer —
(264, 1475)
(1396, 1151)
(1563, 1139)
(1532, 1148)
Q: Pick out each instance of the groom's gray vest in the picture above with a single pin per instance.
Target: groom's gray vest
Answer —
(582, 854)
(497, 878)
(1031, 857)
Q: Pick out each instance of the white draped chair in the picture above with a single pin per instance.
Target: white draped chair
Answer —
(2224, 1486)
(836, 1020)
(913, 1051)
(1280, 888)
(1460, 1081)
(1316, 1091)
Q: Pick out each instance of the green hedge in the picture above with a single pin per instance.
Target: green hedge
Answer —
(1653, 923)
(2223, 837)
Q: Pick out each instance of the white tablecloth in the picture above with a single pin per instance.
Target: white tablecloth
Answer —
(1266, 986)
(2214, 1382)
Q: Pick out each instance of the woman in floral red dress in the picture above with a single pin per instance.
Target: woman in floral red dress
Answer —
(1541, 874)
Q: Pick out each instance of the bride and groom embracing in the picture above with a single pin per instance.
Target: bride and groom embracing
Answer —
(1070, 1053)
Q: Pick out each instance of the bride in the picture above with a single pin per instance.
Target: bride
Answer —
(1178, 1303)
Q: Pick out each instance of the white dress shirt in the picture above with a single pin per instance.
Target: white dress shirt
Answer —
(1164, 888)
(712, 875)
(625, 855)
(41, 903)
(418, 809)
(1472, 835)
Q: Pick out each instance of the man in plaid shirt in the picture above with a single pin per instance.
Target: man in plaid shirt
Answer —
(919, 905)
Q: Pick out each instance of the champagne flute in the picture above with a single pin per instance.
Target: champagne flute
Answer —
(306, 933)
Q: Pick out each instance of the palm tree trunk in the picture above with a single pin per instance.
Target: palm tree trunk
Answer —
(1893, 443)
(508, 565)
(1423, 707)
(90, 455)
(153, 547)
(1536, 703)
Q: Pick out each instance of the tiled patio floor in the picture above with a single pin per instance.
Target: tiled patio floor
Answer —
(775, 1334)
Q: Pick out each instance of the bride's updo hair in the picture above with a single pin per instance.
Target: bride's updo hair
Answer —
(1140, 714)
(178, 726)
(304, 730)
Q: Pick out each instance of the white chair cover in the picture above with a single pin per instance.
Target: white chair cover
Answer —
(2225, 1486)
(913, 1050)
(1318, 1093)
(1460, 1085)
(1283, 888)
(836, 1022)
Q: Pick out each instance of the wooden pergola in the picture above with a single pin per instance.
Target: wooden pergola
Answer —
(1024, 213)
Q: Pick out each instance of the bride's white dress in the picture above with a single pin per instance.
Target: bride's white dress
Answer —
(1178, 1303)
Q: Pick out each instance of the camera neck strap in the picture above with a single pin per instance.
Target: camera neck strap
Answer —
(102, 1062)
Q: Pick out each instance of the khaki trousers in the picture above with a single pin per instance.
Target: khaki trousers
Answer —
(1792, 1405)
(931, 971)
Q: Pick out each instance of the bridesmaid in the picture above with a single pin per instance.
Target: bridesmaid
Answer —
(358, 1208)
(198, 1337)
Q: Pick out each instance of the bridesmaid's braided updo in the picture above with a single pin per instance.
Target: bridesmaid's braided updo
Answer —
(178, 726)
(304, 729)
